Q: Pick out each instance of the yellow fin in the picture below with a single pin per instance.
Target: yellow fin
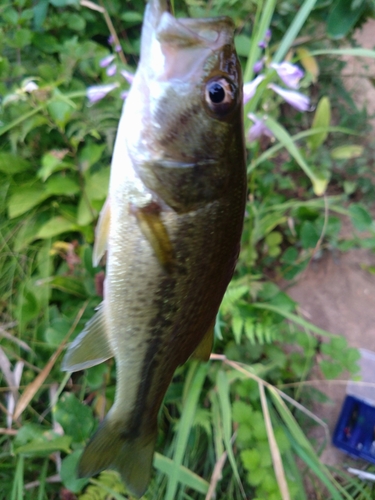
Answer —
(91, 347)
(203, 351)
(109, 448)
(101, 233)
(154, 230)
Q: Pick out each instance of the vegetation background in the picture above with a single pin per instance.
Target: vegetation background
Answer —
(229, 429)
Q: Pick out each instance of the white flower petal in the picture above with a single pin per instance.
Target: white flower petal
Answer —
(289, 73)
(250, 88)
(106, 61)
(30, 87)
(129, 77)
(296, 99)
(97, 92)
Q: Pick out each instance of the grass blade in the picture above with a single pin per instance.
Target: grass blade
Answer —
(356, 52)
(293, 30)
(275, 452)
(301, 135)
(226, 415)
(195, 379)
(185, 475)
(319, 183)
(293, 317)
(304, 449)
(265, 11)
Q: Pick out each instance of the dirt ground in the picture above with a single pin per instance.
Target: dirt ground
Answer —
(336, 293)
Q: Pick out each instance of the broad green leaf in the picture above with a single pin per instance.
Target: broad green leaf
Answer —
(60, 110)
(85, 213)
(90, 154)
(62, 185)
(131, 17)
(22, 38)
(24, 199)
(67, 284)
(57, 331)
(69, 412)
(322, 119)
(274, 238)
(308, 62)
(360, 217)
(52, 161)
(12, 164)
(55, 226)
(243, 44)
(46, 447)
(347, 152)
(331, 369)
(309, 235)
(264, 224)
(97, 184)
(28, 307)
(250, 459)
(343, 17)
(68, 472)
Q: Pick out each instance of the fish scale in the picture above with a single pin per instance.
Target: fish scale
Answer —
(171, 226)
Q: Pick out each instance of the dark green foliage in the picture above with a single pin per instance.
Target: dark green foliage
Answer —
(55, 153)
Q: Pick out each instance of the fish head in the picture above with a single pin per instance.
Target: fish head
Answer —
(185, 107)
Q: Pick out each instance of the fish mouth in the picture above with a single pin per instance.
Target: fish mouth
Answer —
(169, 45)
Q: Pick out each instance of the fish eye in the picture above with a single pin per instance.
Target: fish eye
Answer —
(220, 95)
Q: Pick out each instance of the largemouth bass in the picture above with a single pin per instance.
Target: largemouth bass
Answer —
(171, 226)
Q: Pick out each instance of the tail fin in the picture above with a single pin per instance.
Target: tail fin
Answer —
(108, 448)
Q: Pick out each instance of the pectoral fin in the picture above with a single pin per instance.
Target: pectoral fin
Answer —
(91, 347)
(101, 233)
(153, 228)
(203, 351)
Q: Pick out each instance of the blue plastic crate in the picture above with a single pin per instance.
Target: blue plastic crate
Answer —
(355, 429)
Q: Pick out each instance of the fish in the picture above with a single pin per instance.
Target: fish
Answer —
(171, 227)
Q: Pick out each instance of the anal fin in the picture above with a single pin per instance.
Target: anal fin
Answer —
(153, 228)
(91, 347)
(203, 351)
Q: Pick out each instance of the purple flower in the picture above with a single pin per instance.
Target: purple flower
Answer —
(289, 73)
(295, 99)
(111, 40)
(267, 37)
(258, 66)
(111, 70)
(97, 92)
(124, 94)
(106, 61)
(129, 77)
(258, 130)
(118, 48)
(250, 88)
